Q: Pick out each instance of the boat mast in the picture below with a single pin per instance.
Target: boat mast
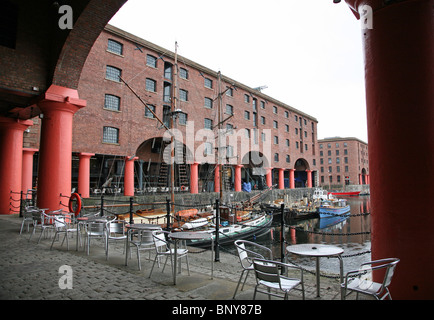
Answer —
(172, 122)
(219, 160)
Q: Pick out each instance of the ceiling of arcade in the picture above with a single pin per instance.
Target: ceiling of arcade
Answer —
(38, 47)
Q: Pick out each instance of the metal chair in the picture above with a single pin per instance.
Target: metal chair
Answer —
(43, 221)
(64, 224)
(246, 258)
(143, 242)
(360, 281)
(268, 274)
(115, 232)
(95, 229)
(162, 248)
(28, 217)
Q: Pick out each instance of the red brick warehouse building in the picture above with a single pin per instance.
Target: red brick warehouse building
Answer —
(343, 161)
(116, 125)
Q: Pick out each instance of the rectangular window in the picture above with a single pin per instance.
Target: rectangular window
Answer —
(208, 103)
(207, 148)
(275, 109)
(286, 114)
(229, 128)
(183, 95)
(167, 92)
(182, 118)
(286, 128)
(208, 124)
(110, 135)
(275, 124)
(262, 105)
(276, 140)
(148, 114)
(183, 73)
(168, 70)
(229, 109)
(246, 98)
(276, 157)
(151, 85)
(208, 83)
(262, 120)
(248, 133)
(287, 142)
(112, 102)
(115, 47)
(151, 61)
(247, 115)
(113, 73)
(288, 159)
(230, 92)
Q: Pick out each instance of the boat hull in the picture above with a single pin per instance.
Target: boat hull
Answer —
(352, 193)
(237, 234)
(325, 212)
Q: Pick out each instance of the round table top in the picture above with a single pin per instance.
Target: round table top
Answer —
(189, 235)
(143, 226)
(314, 250)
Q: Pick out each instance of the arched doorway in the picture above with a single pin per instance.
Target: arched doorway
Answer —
(255, 169)
(300, 173)
(154, 165)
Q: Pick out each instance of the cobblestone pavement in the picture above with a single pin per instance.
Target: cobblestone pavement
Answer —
(30, 271)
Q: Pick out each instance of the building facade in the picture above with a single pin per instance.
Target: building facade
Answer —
(343, 161)
(135, 91)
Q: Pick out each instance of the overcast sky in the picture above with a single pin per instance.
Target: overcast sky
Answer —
(307, 52)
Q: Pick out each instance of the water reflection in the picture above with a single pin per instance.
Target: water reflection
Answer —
(350, 232)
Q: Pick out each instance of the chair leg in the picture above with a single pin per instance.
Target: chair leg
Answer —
(238, 284)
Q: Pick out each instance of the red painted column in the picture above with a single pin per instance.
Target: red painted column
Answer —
(84, 174)
(194, 177)
(11, 157)
(281, 178)
(129, 176)
(27, 173)
(399, 78)
(291, 179)
(217, 179)
(309, 178)
(237, 178)
(269, 177)
(58, 105)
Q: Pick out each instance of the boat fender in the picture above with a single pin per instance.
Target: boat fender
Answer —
(75, 196)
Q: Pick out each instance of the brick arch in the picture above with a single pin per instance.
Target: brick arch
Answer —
(76, 47)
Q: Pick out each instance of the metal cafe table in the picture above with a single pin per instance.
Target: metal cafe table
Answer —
(318, 251)
(138, 227)
(178, 236)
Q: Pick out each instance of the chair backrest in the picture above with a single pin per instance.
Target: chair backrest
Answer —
(116, 226)
(391, 266)
(246, 255)
(96, 227)
(59, 222)
(266, 270)
(159, 239)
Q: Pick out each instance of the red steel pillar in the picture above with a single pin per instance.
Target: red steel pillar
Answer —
(11, 157)
(58, 105)
(237, 178)
(291, 179)
(194, 177)
(269, 177)
(129, 176)
(309, 178)
(217, 179)
(27, 176)
(281, 178)
(399, 77)
(84, 174)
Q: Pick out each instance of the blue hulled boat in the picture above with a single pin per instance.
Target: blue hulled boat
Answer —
(333, 207)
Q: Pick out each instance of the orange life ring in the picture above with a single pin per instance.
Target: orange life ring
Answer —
(182, 188)
(75, 196)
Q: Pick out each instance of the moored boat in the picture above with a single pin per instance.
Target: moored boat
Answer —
(333, 207)
(345, 193)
